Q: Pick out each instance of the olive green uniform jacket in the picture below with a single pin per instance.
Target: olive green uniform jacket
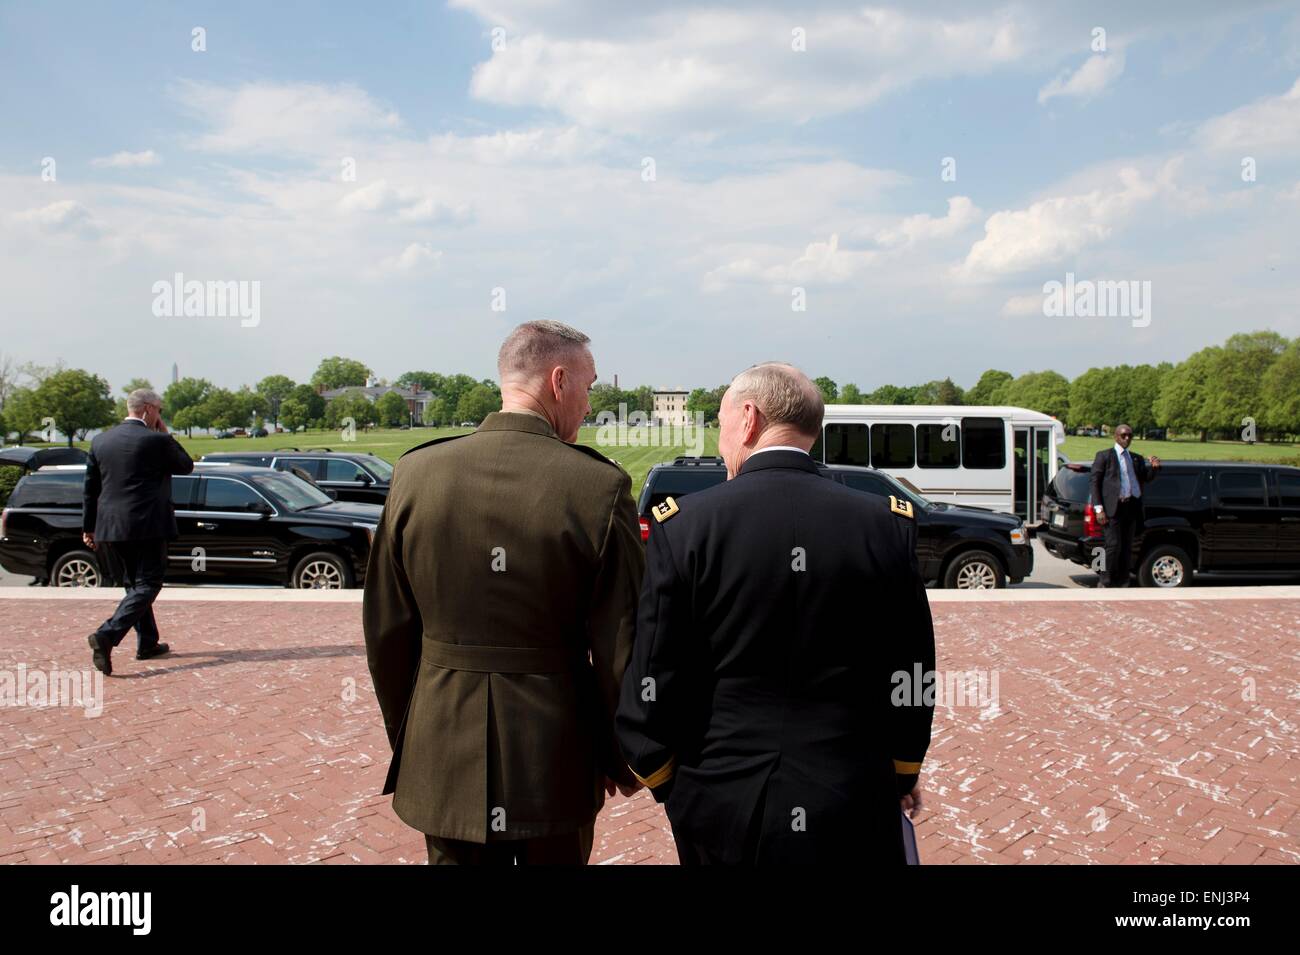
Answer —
(500, 611)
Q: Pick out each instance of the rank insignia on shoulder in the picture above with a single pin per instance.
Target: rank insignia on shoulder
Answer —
(900, 507)
(665, 509)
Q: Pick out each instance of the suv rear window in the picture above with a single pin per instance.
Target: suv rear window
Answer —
(679, 483)
(49, 490)
(1072, 486)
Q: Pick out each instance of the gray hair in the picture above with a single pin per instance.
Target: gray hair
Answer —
(137, 400)
(783, 393)
(534, 348)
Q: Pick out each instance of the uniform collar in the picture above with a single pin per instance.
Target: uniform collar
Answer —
(517, 421)
(779, 458)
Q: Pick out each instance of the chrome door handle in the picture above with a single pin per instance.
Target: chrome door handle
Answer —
(207, 527)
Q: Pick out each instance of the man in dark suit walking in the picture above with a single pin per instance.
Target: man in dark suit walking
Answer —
(499, 614)
(127, 512)
(1118, 477)
(779, 612)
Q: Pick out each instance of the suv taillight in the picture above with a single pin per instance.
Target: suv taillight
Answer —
(645, 529)
(1090, 522)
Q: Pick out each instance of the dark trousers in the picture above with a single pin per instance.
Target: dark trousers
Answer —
(568, 848)
(141, 564)
(1119, 543)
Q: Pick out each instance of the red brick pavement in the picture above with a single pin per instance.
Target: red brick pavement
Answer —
(1153, 731)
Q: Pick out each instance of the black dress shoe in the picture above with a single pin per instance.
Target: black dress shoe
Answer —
(100, 656)
(155, 651)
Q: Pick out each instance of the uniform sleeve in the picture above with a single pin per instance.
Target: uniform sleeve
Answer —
(611, 623)
(651, 706)
(911, 714)
(391, 620)
(90, 489)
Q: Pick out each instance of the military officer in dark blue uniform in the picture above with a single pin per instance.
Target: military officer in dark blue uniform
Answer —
(778, 613)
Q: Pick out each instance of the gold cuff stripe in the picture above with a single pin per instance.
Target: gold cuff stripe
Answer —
(906, 769)
(659, 776)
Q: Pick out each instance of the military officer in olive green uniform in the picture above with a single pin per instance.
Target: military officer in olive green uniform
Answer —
(500, 611)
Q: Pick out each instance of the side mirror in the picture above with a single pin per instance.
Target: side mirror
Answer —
(261, 507)
(332, 494)
(366, 479)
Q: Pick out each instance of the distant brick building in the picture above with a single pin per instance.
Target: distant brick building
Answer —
(670, 407)
(416, 399)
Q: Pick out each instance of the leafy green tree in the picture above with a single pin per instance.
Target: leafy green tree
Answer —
(827, 387)
(312, 402)
(1045, 391)
(706, 401)
(392, 410)
(350, 404)
(274, 389)
(340, 372)
(1183, 392)
(890, 395)
(1232, 391)
(437, 412)
(1280, 390)
(294, 414)
(477, 403)
(78, 402)
(185, 393)
(21, 414)
(989, 383)
(430, 381)
(850, 394)
(1097, 398)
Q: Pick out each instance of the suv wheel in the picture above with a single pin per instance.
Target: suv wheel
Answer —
(321, 571)
(76, 568)
(975, 570)
(1166, 566)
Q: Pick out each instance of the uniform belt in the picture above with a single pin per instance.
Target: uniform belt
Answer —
(481, 659)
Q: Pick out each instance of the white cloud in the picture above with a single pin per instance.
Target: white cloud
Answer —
(414, 258)
(919, 228)
(296, 118)
(66, 216)
(1020, 305)
(1051, 229)
(1270, 123)
(1098, 72)
(126, 160)
(701, 69)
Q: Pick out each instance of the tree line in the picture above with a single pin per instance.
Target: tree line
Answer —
(1250, 381)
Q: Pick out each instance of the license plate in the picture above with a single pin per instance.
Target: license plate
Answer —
(1058, 520)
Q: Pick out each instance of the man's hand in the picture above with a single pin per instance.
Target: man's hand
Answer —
(612, 786)
(912, 801)
(1100, 515)
(1155, 462)
(88, 539)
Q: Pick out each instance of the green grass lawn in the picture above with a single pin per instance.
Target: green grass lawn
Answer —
(390, 444)
(1085, 449)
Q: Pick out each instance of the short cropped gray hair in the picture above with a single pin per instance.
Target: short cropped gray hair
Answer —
(137, 400)
(783, 393)
(534, 348)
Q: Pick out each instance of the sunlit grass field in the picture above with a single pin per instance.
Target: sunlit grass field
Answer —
(391, 444)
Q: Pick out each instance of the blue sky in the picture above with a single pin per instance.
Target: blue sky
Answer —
(520, 167)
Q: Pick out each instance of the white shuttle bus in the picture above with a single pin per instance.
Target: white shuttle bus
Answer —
(1000, 458)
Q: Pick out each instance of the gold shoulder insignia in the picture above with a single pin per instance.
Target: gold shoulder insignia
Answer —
(666, 509)
(900, 507)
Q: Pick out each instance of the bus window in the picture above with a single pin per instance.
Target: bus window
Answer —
(846, 444)
(893, 446)
(983, 443)
(933, 450)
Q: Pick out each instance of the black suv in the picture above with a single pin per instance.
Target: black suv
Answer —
(237, 525)
(351, 476)
(1212, 517)
(966, 548)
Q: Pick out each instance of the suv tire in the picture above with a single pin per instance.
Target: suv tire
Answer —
(76, 568)
(1165, 566)
(974, 570)
(321, 570)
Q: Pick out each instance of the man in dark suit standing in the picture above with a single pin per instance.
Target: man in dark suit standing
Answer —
(779, 612)
(1118, 476)
(127, 511)
(499, 614)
